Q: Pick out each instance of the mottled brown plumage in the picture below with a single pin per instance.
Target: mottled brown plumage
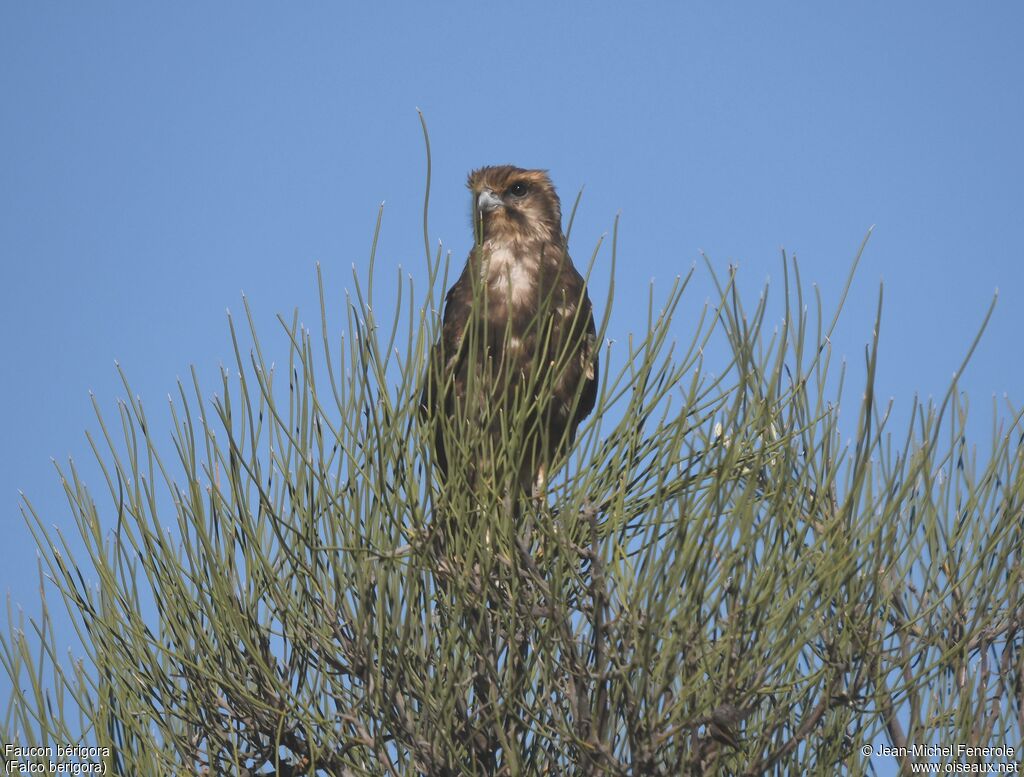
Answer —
(517, 339)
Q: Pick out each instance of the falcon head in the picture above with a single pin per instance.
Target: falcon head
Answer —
(513, 204)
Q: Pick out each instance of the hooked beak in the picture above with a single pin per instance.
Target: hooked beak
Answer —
(488, 200)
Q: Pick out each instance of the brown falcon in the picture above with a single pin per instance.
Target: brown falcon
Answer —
(517, 363)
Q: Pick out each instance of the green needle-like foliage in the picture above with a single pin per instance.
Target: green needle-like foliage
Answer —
(715, 583)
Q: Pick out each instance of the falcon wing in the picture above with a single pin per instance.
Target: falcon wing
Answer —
(445, 358)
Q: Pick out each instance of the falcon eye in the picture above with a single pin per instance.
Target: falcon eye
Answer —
(518, 189)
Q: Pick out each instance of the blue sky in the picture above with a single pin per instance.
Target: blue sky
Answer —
(159, 160)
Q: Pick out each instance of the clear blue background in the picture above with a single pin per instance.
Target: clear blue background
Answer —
(157, 160)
